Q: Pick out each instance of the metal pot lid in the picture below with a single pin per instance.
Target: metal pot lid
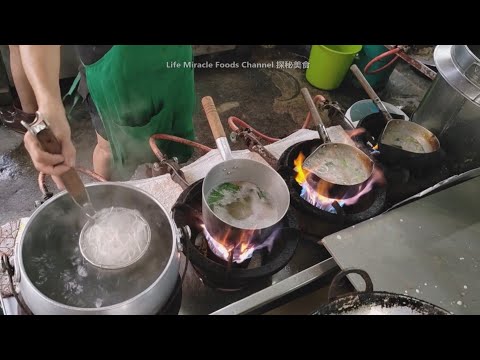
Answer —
(459, 65)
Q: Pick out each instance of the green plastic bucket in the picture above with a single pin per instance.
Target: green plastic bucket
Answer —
(328, 64)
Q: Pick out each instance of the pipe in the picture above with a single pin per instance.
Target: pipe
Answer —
(92, 174)
(235, 122)
(380, 57)
(425, 70)
(317, 99)
(41, 176)
(177, 139)
(43, 186)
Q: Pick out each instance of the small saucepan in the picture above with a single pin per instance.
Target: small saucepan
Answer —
(371, 302)
(232, 171)
(402, 142)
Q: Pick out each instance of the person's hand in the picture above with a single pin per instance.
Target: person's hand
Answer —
(53, 164)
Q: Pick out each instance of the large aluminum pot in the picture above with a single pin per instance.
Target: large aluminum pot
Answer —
(56, 280)
(235, 170)
(451, 107)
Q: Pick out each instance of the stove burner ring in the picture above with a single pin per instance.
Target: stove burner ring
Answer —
(290, 238)
(220, 275)
(210, 284)
(361, 211)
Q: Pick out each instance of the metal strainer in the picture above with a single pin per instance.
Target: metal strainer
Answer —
(112, 238)
(115, 238)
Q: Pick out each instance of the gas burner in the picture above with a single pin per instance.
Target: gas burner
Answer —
(201, 244)
(341, 214)
(405, 178)
(224, 275)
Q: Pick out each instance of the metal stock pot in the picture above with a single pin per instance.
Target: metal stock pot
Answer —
(55, 279)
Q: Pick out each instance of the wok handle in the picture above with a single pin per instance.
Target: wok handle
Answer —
(371, 93)
(49, 143)
(315, 115)
(332, 292)
(213, 118)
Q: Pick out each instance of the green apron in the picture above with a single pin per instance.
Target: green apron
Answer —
(139, 93)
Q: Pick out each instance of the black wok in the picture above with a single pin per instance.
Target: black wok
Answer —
(371, 302)
(375, 125)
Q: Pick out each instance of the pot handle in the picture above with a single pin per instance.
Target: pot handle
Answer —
(16, 264)
(213, 118)
(184, 234)
(332, 292)
(7, 267)
(315, 115)
(217, 128)
(371, 93)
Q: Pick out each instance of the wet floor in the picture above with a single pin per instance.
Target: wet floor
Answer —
(268, 99)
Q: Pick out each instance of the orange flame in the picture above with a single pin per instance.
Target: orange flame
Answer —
(315, 195)
(223, 249)
(301, 172)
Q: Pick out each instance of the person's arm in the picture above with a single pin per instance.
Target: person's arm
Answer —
(42, 67)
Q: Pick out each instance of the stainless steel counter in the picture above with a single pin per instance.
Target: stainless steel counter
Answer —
(429, 249)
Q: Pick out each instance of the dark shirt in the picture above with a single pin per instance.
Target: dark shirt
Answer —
(90, 54)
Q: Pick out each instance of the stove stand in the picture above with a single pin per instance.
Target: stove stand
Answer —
(315, 221)
(218, 273)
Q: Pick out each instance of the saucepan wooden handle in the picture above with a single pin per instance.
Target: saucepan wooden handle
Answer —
(213, 118)
(71, 179)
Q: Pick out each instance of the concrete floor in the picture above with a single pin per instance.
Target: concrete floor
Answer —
(268, 99)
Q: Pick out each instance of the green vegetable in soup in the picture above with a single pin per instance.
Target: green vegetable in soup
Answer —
(218, 193)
